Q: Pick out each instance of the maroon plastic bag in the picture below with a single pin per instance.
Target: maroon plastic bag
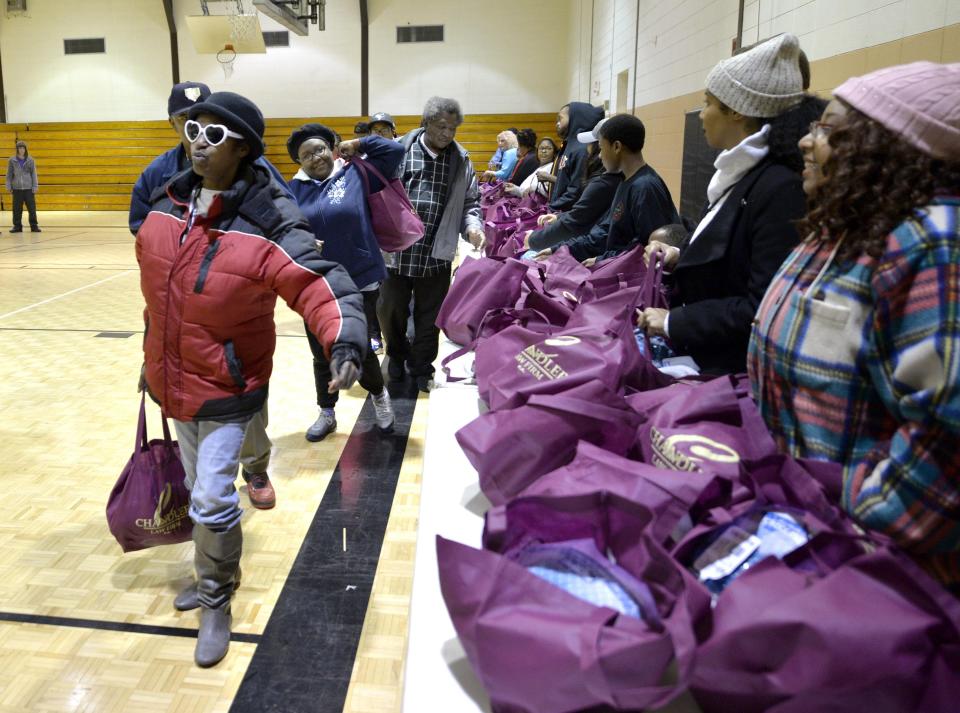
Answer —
(512, 448)
(396, 224)
(480, 285)
(538, 649)
(149, 505)
(866, 630)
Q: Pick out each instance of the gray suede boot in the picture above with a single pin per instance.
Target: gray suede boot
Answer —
(217, 560)
(188, 598)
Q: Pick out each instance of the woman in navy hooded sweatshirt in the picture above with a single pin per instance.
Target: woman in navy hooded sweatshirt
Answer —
(335, 204)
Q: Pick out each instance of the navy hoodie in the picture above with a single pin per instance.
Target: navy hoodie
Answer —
(337, 210)
(571, 168)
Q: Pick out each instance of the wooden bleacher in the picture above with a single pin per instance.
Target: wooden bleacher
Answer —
(93, 165)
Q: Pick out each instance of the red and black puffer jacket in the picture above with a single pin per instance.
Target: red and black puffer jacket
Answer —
(210, 333)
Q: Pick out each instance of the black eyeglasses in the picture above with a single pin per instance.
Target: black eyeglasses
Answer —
(317, 153)
(214, 134)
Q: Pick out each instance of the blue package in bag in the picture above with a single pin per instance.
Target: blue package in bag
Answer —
(580, 569)
(743, 543)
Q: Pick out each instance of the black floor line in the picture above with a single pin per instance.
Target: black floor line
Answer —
(116, 626)
(305, 656)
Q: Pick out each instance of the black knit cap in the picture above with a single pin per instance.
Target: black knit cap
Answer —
(239, 114)
(309, 131)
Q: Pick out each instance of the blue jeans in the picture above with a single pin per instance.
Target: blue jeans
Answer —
(210, 451)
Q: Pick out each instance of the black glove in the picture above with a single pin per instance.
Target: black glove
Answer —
(345, 367)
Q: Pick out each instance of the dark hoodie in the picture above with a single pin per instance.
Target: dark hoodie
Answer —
(573, 156)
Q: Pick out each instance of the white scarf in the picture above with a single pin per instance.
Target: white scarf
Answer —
(732, 165)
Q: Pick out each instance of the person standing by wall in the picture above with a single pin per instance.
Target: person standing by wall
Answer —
(22, 183)
(440, 180)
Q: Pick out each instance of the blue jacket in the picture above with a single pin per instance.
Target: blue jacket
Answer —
(162, 169)
(339, 216)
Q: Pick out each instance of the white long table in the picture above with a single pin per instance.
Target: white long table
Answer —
(438, 676)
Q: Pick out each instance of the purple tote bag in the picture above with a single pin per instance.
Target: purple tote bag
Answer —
(396, 224)
(480, 285)
(668, 496)
(710, 426)
(538, 649)
(512, 448)
(149, 505)
(867, 630)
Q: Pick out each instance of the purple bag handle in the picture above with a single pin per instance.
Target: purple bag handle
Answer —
(143, 444)
(366, 166)
(652, 279)
(571, 404)
(680, 627)
(520, 314)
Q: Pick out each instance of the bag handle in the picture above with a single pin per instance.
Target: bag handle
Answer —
(652, 279)
(523, 315)
(143, 442)
(679, 625)
(365, 167)
(571, 404)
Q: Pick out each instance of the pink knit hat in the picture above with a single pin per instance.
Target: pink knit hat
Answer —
(918, 101)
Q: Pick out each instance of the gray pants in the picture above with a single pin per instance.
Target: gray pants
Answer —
(210, 451)
(255, 451)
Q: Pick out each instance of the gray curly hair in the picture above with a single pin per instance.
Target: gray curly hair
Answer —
(436, 106)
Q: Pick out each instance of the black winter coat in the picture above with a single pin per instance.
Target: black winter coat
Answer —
(720, 279)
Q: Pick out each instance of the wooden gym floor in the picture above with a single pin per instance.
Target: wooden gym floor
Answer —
(85, 628)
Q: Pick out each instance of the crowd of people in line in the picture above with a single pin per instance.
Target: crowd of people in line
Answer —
(825, 265)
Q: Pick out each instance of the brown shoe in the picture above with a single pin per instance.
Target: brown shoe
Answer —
(260, 491)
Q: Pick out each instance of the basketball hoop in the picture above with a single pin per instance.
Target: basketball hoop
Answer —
(226, 58)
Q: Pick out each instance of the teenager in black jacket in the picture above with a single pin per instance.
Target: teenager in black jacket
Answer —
(589, 209)
(720, 274)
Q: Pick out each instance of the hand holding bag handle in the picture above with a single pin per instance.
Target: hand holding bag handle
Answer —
(395, 222)
(143, 441)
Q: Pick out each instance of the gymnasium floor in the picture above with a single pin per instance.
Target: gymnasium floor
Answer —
(85, 628)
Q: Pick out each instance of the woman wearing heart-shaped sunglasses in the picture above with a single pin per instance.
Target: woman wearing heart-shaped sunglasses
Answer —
(221, 241)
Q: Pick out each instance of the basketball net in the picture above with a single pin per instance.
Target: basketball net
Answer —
(226, 57)
(242, 27)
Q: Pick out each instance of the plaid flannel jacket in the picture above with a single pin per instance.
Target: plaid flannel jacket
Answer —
(858, 362)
